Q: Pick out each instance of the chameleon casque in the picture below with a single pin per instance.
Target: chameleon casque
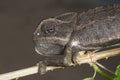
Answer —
(71, 32)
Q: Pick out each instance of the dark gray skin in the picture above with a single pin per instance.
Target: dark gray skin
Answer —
(71, 32)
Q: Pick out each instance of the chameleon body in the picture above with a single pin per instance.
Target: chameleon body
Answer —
(71, 32)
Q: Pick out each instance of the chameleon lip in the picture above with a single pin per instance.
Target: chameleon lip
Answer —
(38, 51)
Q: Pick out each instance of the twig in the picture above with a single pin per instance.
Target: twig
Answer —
(24, 72)
(78, 59)
(107, 76)
(96, 56)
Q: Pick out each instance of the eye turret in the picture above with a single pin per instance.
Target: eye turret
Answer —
(48, 28)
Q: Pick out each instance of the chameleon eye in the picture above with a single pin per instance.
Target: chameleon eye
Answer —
(48, 29)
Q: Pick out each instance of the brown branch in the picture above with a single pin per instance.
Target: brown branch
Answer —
(93, 57)
(86, 58)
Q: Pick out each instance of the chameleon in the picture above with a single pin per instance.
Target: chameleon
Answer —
(67, 34)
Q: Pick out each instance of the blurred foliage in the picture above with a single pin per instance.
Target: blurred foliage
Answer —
(107, 76)
(117, 73)
(90, 78)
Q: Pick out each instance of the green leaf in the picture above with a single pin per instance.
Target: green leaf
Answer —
(117, 73)
(90, 78)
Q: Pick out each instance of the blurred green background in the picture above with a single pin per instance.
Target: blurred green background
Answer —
(19, 19)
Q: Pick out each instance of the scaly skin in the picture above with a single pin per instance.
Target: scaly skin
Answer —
(71, 32)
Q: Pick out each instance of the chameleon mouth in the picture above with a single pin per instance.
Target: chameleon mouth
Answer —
(49, 46)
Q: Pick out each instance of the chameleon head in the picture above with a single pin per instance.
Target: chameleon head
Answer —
(53, 34)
